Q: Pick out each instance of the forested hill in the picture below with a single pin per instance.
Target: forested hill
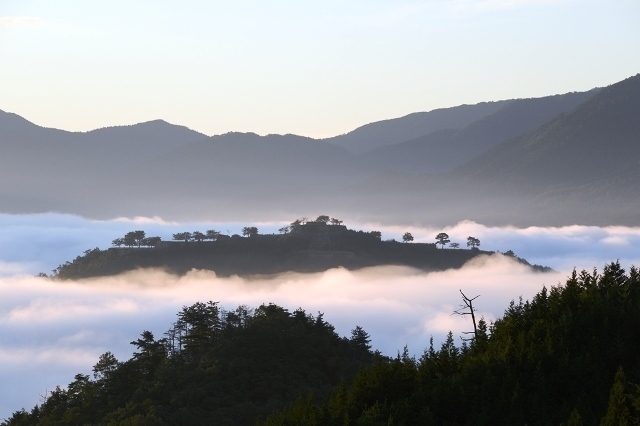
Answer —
(567, 357)
(213, 367)
(310, 247)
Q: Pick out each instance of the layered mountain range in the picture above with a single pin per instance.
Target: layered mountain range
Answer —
(557, 160)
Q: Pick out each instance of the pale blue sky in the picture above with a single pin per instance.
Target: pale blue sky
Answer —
(316, 69)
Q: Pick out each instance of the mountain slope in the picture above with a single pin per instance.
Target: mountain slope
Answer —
(141, 140)
(598, 141)
(44, 169)
(581, 167)
(387, 132)
(245, 163)
(446, 149)
(40, 148)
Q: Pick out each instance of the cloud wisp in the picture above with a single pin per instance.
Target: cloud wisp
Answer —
(20, 21)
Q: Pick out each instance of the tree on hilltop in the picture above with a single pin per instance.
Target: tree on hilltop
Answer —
(284, 230)
(182, 236)
(473, 242)
(442, 239)
(139, 236)
(407, 237)
(151, 241)
(323, 218)
(249, 231)
(212, 234)
(129, 239)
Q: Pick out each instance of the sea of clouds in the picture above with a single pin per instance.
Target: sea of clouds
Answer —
(51, 330)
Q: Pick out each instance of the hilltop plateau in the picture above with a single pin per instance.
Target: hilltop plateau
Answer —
(308, 247)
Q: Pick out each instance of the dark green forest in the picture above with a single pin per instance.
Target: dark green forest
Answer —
(568, 356)
(211, 367)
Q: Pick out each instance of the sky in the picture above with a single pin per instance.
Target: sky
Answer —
(53, 330)
(316, 69)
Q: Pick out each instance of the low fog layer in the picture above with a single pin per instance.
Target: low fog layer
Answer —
(57, 329)
(53, 330)
(30, 244)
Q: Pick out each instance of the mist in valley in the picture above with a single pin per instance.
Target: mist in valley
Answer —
(55, 329)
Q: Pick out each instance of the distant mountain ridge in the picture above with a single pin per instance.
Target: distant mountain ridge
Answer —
(582, 164)
(396, 130)
(601, 136)
(446, 149)
(555, 160)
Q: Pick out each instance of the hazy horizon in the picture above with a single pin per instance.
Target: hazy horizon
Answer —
(285, 132)
(313, 70)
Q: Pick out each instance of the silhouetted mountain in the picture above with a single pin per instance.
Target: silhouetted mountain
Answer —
(446, 149)
(46, 169)
(246, 165)
(581, 164)
(396, 130)
(45, 153)
(141, 141)
(126, 143)
(598, 140)
(242, 154)
(547, 161)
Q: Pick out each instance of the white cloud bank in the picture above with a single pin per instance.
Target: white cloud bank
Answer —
(40, 242)
(53, 330)
(49, 331)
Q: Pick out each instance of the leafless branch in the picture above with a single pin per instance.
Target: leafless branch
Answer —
(468, 304)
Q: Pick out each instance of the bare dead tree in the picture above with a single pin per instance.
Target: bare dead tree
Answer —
(44, 397)
(468, 304)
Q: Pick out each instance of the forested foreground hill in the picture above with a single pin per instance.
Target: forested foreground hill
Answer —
(214, 367)
(568, 356)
